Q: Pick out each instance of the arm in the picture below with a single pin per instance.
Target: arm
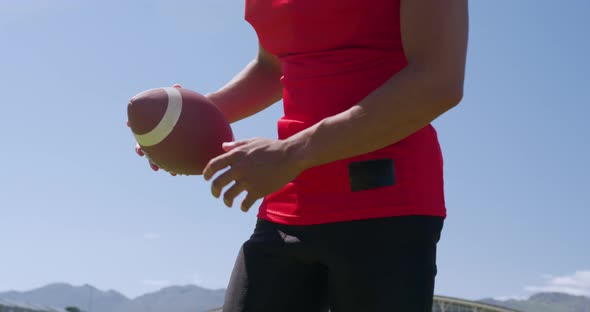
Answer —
(255, 88)
(252, 90)
(434, 34)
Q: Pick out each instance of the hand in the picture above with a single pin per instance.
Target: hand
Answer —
(154, 167)
(258, 166)
(140, 152)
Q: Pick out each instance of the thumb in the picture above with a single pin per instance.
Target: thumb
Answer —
(228, 146)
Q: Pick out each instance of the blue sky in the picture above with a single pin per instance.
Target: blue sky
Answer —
(78, 206)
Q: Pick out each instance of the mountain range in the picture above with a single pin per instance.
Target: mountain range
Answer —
(546, 302)
(188, 298)
(191, 298)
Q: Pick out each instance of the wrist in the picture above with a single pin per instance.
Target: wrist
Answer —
(212, 97)
(299, 152)
(216, 99)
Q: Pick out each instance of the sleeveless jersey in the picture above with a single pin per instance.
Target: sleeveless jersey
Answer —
(333, 54)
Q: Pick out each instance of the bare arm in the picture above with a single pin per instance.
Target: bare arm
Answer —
(434, 34)
(435, 41)
(255, 88)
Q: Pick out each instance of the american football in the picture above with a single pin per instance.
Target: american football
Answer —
(179, 130)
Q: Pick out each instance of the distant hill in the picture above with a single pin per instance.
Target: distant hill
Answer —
(171, 299)
(60, 295)
(192, 298)
(176, 299)
(546, 302)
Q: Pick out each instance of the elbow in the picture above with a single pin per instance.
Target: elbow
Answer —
(443, 86)
(448, 94)
(454, 96)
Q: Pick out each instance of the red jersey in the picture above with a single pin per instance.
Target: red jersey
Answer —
(333, 54)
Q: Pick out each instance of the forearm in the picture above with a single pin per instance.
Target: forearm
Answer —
(252, 90)
(404, 104)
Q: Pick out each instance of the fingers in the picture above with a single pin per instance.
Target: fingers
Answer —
(228, 146)
(138, 150)
(154, 167)
(220, 182)
(248, 202)
(232, 193)
(217, 164)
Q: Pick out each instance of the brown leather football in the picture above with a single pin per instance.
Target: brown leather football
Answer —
(179, 130)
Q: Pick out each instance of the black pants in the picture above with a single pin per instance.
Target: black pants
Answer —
(376, 265)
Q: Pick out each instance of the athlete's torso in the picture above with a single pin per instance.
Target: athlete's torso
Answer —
(333, 54)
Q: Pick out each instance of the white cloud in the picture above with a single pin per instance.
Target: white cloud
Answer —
(151, 236)
(577, 284)
(156, 283)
